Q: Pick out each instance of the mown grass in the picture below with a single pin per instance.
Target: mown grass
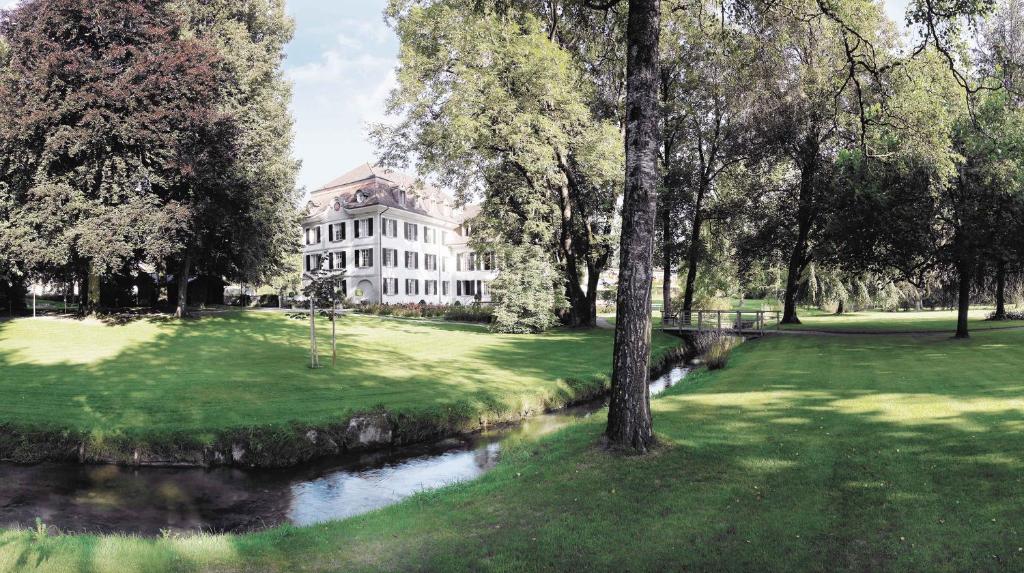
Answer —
(906, 321)
(858, 453)
(245, 369)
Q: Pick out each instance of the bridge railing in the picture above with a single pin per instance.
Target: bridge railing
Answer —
(724, 320)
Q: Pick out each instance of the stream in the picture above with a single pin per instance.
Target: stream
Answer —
(79, 498)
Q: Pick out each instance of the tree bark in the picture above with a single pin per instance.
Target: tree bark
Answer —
(964, 300)
(93, 290)
(693, 256)
(334, 335)
(593, 278)
(629, 410)
(840, 308)
(667, 250)
(181, 311)
(1001, 291)
(805, 219)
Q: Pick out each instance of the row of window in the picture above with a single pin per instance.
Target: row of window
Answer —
(475, 262)
(338, 260)
(412, 260)
(364, 228)
(411, 231)
(337, 231)
(364, 259)
(412, 287)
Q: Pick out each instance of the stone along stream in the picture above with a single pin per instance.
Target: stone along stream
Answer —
(148, 500)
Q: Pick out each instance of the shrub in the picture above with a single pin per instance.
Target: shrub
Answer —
(524, 293)
(470, 313)
(457, 312)
(1010, 315)
(715, 348)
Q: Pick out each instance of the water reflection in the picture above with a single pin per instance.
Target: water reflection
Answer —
(107, 499)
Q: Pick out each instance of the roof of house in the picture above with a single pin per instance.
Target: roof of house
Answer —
(382, 186)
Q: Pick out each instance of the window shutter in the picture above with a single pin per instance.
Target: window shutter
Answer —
(370, 253)
(369, 227)
(341, 229)
(343, 264)
(318, 234)
(330, 232)
(458, 287)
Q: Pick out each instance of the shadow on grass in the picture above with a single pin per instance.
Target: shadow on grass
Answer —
(852, 454)
(850, 465)
(237, 370)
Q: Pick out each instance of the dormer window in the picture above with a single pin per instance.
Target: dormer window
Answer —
(360, 196)
(401, 198)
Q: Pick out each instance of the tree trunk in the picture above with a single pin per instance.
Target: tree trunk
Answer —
(593, 278)
(693, 256)
(314, 355)
(840, 309)
(964, 300)
(581, 312)
(334, 335)
(666, 246)
(805, 219)
(93, 290)
(629, 410)
(1001, 291)
(181, 311)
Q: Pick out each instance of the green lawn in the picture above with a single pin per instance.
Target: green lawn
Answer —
(250, 369)
(913, 321)
(859, 453)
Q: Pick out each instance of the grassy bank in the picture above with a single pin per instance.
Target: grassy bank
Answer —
(804, 454)
(239, 382)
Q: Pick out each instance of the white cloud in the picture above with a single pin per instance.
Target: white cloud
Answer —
(339, 89)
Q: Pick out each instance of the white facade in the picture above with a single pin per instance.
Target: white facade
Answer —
(397, 243)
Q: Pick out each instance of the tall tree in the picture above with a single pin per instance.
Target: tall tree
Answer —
(710, 82)
(245, 209)
(493, 107)
(107, 105)
(629, 410)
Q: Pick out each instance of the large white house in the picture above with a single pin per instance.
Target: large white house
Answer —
(396, 240)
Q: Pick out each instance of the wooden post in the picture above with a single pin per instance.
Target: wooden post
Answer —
(314, 358)
(700, 320)
(719, 313)
(334, 338)
(739, 320)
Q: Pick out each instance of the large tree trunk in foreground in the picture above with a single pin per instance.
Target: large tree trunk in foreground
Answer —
(964, 300)
(186, 267)
(629, 411)
(1001, 291)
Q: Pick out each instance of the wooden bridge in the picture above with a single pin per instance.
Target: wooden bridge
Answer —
(733, 321)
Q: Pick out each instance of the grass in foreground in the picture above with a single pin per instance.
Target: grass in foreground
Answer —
(911, 321)
(869, 453)
(250, 369)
